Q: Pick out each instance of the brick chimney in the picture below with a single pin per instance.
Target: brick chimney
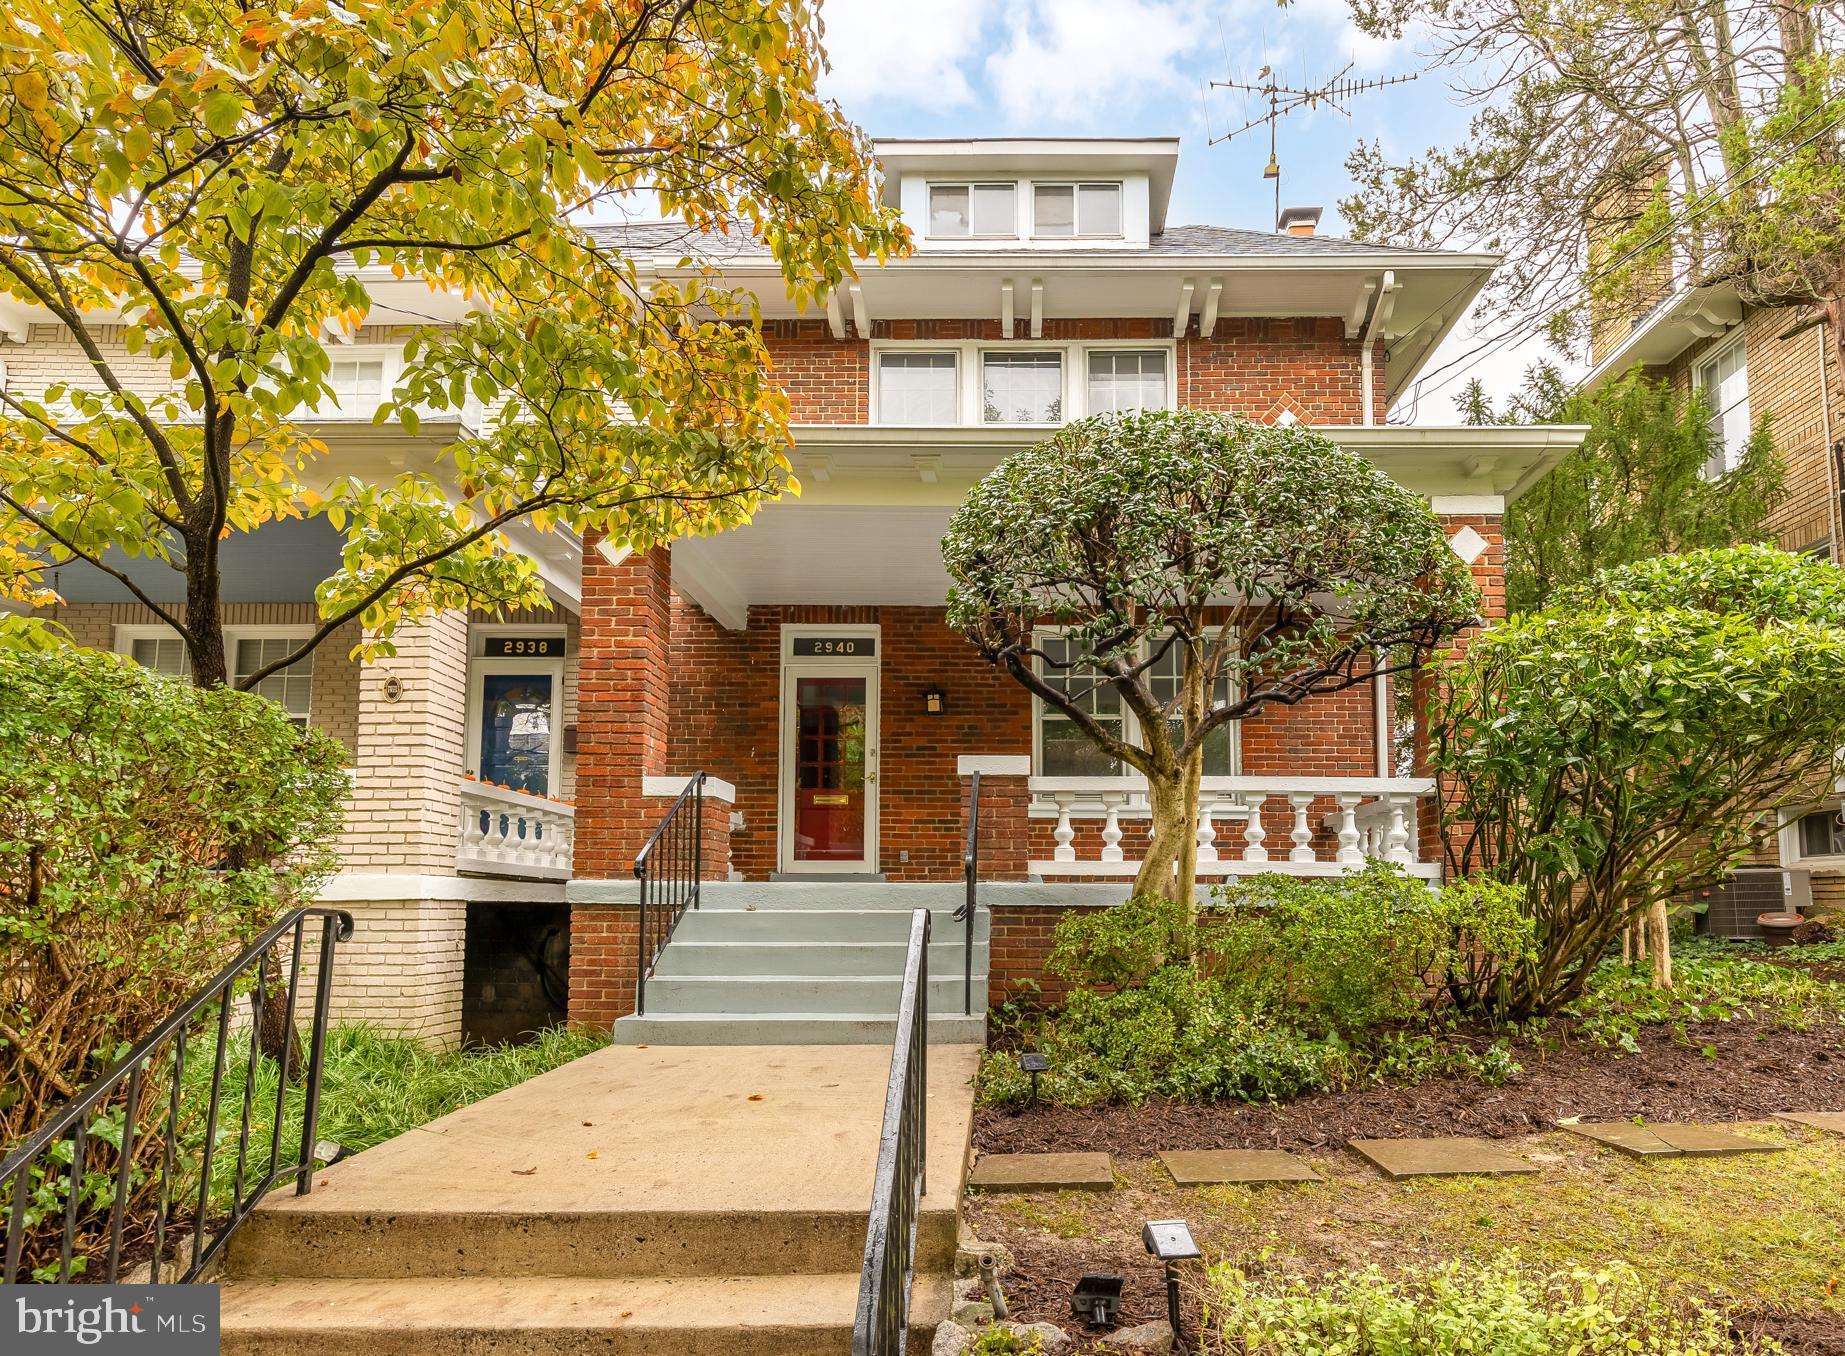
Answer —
(1299, 220)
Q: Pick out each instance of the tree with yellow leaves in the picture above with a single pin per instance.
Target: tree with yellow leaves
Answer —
(216, 189)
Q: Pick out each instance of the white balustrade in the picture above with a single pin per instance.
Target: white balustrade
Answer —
(513, 833)
(1367, 818)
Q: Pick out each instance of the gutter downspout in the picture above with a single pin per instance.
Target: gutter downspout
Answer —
(1380, 690)
(1380, 318)
(1835, 478)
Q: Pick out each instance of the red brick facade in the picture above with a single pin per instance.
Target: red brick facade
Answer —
(666, 691)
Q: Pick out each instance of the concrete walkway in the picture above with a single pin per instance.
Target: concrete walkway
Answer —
(635, 1200)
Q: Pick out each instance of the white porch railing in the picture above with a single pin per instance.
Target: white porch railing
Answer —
(513, 833)
(1374, 817)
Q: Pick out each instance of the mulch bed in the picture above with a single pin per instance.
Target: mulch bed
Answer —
(1810, 1334)
(1756, 1072)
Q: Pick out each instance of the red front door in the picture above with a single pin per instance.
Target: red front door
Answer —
(832, 768)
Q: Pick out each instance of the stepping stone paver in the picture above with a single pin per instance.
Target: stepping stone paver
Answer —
(1833, 1122)
(1208, 1167)
(1043, 1172)
(1669, 1141)
(1459, 1156)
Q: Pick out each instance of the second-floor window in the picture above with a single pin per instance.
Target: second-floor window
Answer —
(918, 388)
(1127, 379)
(1725, 379)
(1021, 388)
(969, 211)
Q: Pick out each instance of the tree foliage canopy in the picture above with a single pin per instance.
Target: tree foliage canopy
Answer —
(218, 190)
(1638, 486)
(1625, 147)
(1636, 739)
(1277, 565)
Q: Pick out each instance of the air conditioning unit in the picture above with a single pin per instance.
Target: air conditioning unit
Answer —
(1731, 906)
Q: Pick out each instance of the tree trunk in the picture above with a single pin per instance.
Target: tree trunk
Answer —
(1659, 930)
(1159, 869)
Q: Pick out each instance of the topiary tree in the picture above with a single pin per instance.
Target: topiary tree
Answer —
(1276, 565)
(1636, 740)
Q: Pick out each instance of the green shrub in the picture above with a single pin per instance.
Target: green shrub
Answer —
(1280, 988)
(147, 830)
(1462, 1307)
(1635, 740)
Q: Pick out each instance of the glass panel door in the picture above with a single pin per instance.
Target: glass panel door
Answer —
(515, 730)
(831, 766)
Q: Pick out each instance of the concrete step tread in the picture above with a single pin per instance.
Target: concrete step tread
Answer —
(824, 1028)
(440, 1314)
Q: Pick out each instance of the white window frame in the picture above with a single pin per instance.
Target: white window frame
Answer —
(1715, 354)
(1017, 350)
(391, 356)
(929, 231)
(969, 386)
(1130, 723)
(1076, 186)
(127, 633)
(1791, 855)
(480, 666)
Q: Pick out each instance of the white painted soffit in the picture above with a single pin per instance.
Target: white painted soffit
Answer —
(1671, 327)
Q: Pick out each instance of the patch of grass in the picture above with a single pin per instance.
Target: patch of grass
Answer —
(1059, 1215)
(1502, 1307)
(1759, 1231)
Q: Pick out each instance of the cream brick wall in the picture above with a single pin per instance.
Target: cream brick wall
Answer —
(401, 970)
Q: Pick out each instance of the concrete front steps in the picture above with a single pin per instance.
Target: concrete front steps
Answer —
(657, 1202)
(810, 963)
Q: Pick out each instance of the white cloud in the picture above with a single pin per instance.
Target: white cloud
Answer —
(1085, 61)
(903, 54)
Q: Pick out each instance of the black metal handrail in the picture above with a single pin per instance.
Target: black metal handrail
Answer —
(668, 867)
(882, 1325)
(970, 874)
(154, 1071)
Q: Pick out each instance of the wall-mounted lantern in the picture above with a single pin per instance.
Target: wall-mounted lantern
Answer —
(935, 701)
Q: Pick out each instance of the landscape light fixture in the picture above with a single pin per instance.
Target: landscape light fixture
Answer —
(935, 701)
(1097, 1298)
(1170, 1240)
(1033, 1063)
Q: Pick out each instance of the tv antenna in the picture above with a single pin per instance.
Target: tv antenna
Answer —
(1285, 99)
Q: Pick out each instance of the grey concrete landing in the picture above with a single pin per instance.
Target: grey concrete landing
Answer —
(1668, 1141)
(1212, 1167)
(1043, 1172)
(1440, 1157)
(1832, 1122)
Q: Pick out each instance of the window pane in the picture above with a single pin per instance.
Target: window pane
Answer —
(291, 688)
(357, 384)
(1068, 752)
(917, 388)
(1821, 835)
(1163, 682)
(1091, 694)
(1098, 209)
(1127, 380)
(1726, 385)
(163, 654)
(994, 213)
(515, 731)
(1022, 388)
(948, 210)
(1054, 210)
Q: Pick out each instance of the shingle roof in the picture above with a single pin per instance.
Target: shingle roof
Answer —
(678, 239)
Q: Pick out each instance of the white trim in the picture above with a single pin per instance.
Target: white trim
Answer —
(1488, 505)
(361, 887)
(1788, 840)
(993, 764)
(793, 668)
(716, 788)
(969, 381)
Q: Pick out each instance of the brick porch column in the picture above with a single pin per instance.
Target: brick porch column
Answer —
(1473, 527)
(1005, 800)
(403, 967)
(622, 693)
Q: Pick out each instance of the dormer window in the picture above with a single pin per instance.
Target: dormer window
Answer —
(973, 211)
(1076, 211)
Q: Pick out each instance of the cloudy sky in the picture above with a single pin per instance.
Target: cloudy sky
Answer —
(1142, 68)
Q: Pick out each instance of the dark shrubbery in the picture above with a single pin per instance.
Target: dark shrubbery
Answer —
(1284, 986)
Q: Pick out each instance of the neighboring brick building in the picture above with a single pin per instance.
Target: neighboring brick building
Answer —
(802, 661)
(1758, 365)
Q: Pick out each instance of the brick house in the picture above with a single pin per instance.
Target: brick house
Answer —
(1756, 364)
(508, 769)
